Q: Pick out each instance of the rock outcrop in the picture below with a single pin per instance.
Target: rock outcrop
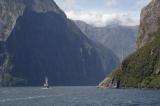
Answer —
(149, 23)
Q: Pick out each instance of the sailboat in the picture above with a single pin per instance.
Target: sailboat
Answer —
(46, 84)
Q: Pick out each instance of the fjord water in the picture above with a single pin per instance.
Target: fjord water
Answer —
(77, 96)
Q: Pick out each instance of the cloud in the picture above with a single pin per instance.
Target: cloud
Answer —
(100, 19)
(101, 13)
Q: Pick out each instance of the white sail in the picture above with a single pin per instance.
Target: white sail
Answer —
(46, 85)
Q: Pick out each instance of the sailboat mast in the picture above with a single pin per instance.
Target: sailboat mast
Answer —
(46, 80)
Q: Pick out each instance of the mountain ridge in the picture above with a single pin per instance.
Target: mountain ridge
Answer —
(114, 37)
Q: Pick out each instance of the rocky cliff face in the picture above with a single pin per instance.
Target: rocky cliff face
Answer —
(149, 24)
(37, 40)
(142, 68)
(120, 39)
(11, 9)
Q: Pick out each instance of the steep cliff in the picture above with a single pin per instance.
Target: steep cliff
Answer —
(142, 68)
(11, 9)
(37, 40)
(149, 23)
(120, 39)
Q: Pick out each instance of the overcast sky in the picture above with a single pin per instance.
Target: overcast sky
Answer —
(102, 12)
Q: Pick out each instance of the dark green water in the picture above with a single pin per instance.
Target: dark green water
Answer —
(78, 96)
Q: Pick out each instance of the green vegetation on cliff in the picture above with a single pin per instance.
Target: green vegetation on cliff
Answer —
(142, 68)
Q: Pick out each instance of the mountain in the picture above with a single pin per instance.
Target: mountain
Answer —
(120, 39)
(16, 8)
(108, 59)
(142, 68)
(37, 40)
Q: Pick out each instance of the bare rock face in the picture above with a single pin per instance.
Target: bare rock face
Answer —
(149, 23)
(10, 10)
(42, 6)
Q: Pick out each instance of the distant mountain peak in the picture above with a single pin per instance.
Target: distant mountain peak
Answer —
(113, 36)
